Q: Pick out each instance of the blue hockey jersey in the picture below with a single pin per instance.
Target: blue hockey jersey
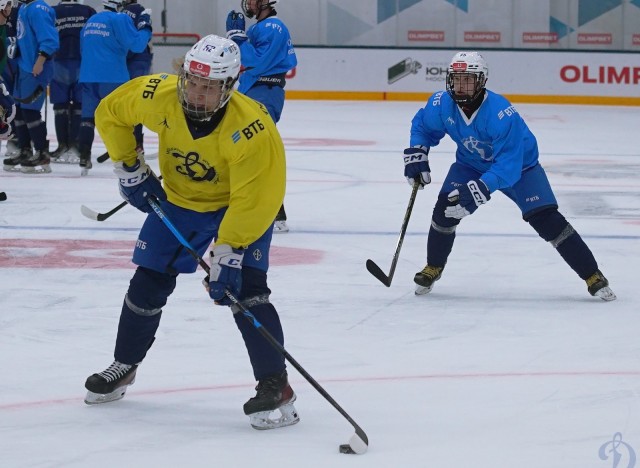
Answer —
(134, 10)
(36, 32)
(104, 42)
(494, 141)
(70, 19)
(268, 51)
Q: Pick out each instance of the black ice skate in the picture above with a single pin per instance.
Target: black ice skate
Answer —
(425, 279)
(598, 286)
(110, 384)
(85, 163)
(14, 159)
(38, 163)
(280, 224)
(273, 393)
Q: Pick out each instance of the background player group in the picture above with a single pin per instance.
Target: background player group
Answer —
(81, 56)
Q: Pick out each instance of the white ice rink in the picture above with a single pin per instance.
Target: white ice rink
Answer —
(508, 363)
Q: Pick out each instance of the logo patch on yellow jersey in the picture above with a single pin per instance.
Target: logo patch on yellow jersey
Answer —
(194, 167)
(249, 131)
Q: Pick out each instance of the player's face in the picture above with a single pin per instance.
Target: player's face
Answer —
(464, 84)
(203, 94)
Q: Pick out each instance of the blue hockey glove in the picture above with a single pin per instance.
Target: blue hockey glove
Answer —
(137, 183)
(225, 273)
(236, 27)
(235, 21)
(468, 197)
(416, 165)
(144, 20)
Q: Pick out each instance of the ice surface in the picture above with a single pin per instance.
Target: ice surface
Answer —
(507, 363)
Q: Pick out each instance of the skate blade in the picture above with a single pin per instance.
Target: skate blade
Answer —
(84, 171)
(421, 290)
(606, 294)
(98, 398)
(280, 226)
(288, 417)
(44, 169)
(12, 168)
(64, 160)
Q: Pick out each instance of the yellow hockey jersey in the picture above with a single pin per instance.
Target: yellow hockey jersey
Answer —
(241, 164)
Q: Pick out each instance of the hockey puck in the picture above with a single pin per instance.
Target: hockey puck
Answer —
(3, 196)
(346, 448)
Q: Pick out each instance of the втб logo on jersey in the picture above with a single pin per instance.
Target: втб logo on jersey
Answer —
(482, 149)
(249, 132)
(194, 168)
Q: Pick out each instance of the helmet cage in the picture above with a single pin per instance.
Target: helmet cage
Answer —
(478, 86)
(260, 5)
(112, 5)
(205, 107)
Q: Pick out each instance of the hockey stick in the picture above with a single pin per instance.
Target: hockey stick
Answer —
(359, 442)
(103, 157)
(375, 269)
(89, 213)
(33, 97)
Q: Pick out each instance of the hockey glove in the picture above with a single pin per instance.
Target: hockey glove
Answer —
(468, 197)
(236, 27)
(7, 112)
(225, 273)
(144, 20)
(416, 165)
(137, 183)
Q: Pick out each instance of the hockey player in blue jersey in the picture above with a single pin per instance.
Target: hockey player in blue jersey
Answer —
(71, 16)
(37, 40)
(104, 43)
(496, 151)
(267, 55)
(138, 64)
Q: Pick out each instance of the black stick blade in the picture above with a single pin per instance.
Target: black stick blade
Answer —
(378, 273)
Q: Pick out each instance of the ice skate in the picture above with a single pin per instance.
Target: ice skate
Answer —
(66, 155)
(272, 393)
(425, 279)
(110, 384)
(38, 163)
(14, 159)
(85, 163)
(280, 226)
(598, 286)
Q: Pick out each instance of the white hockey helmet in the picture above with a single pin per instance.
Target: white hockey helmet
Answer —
(469, 64)
(4, 3)
(260, 5)
(208, 75)
(113, 5)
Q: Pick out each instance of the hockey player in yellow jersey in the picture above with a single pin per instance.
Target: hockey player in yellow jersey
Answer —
(223, 178)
